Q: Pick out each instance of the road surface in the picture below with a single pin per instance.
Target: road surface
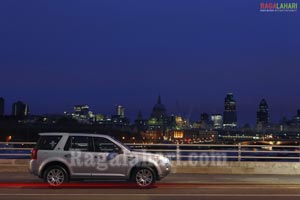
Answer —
(176, 186)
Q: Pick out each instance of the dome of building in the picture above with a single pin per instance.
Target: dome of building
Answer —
(159, 110)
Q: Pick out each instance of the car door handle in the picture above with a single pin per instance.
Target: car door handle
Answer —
(67, 156)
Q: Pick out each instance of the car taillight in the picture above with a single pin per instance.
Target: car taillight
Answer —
(34, 153)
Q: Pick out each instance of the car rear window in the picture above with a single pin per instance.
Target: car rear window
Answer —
(48, 142)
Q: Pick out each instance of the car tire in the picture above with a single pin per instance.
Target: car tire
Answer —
(143, 177)
(56, 176)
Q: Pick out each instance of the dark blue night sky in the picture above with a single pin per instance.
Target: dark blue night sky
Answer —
(57, 53)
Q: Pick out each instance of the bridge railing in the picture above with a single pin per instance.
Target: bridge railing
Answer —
(238, 152)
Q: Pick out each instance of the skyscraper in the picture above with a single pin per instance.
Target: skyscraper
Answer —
(2, 102)
(20, 109)
(262, 115)
(204, 120)
(229, 115)
(120, 111)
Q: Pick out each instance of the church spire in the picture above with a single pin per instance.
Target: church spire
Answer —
(158, 99)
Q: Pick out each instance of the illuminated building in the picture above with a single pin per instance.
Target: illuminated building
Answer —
(100, 119)
(20, 109)
(120, 110)
(262, 115)
(179, 122)
(2, 102)
(159, 118)
(81, 110)
(119, 118)
(229, 115)
(82, 113)
(217, 120)
(194, 136)
(178, 134)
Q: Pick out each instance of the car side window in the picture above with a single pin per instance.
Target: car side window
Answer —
(77, 143)
(105, 145)
(48, 142)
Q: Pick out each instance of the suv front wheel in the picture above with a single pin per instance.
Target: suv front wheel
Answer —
(55, 176)
(143, 177)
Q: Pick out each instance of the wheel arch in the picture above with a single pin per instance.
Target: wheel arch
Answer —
(54, 163)
(144, 164)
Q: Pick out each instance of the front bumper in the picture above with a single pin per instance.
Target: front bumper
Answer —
(165, 169)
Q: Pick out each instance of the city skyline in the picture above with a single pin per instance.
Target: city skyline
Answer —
(116, 109)
(102, 53)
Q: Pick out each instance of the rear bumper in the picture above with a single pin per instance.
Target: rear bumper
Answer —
(33, 167)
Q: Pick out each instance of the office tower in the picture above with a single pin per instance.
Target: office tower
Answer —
(262, 115)
(204, 121)
(229, 115)
(120, 111)
(20, 109)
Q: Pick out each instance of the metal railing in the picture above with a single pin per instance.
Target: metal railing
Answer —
(238, 152)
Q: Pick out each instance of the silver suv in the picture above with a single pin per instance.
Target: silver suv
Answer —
(61, 157)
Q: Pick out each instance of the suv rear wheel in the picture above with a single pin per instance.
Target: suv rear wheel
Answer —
(143, 177)
(56, 176)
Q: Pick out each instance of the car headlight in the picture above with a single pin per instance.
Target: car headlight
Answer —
(161, 159)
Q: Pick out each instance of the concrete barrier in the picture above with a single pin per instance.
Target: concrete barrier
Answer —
(279, 168)
(13, 165)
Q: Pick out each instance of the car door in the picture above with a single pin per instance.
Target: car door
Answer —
(109, 157)
(78, 154)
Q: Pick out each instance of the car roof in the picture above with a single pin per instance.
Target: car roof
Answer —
(75, 134)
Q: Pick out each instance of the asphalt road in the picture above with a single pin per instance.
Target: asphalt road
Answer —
(175, 186)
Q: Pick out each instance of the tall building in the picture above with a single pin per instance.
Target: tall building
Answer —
(217, 120)
(20, 109)
(119, 118)
(2, 104)
(120, 111)
(262, 115)
(204, 117)
(229, 115)
(204, 121)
